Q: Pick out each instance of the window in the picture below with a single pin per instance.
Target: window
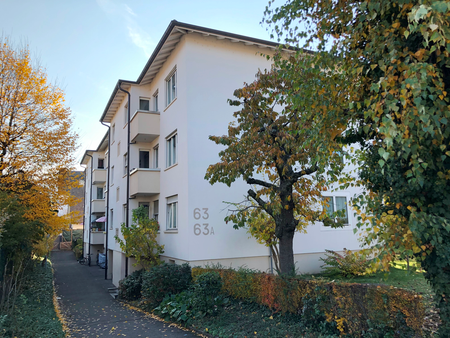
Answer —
(101, 163)
(111, 221)
(112, 175)
(155, 101)
(117, 194)
(144, 104)
(124, 213)
(113, 132)
(171, 150)
(125, 163)
(146, 205)
(117, 234)
(144, 159)
(171, 87)
(99, 193)
(155, 156)
(155, 209)
(118, 148)
(337, 204)
(125, 114)
(172, 206)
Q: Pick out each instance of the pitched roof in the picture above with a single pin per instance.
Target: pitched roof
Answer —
(166, 45)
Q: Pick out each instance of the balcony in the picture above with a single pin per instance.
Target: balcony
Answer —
(98, 207)
(144, 182)
(97, 237)
(144, 126)
(98, 176)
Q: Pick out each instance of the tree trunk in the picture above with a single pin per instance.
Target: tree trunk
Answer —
(287, 265)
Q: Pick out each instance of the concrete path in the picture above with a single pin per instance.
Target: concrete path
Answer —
(91, 312)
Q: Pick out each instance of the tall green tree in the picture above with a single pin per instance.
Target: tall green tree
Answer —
(393, 59)
(270, 147)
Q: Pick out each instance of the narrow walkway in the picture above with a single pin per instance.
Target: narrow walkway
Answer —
(91, 312)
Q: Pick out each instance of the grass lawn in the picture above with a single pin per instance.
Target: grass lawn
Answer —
(397, 276)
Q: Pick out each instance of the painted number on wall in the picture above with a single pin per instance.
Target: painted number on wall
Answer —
(201, 214)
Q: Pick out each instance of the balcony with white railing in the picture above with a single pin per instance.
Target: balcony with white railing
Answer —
(98, 176)
(144, 182)
(98, 207)
(144, 126)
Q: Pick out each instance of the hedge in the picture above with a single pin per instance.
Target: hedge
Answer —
(354, 309)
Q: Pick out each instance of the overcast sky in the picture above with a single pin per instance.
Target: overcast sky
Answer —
(87, 45)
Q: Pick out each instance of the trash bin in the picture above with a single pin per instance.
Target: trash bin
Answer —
(102, 260)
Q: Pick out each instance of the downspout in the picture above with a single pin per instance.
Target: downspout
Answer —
(127, 221)
(90, 209)
(107, 201)
(84, 209)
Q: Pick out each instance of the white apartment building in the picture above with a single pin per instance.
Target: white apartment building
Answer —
(158, 151)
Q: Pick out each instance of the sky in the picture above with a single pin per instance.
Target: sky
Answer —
(85, 46)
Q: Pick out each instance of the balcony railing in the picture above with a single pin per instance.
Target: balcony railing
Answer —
(97, 237)
(98, 176)
(98, 207)
(144, 182)
(144, 126)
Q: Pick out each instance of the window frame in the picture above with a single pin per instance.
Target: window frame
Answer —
(156, 157)
(102, 193)
(125, 164)
(171, 86)
(155, 100)
(156, 210)
(141, 99)
(144, 151)
(334, 208)
(172, 213)
(172, 150)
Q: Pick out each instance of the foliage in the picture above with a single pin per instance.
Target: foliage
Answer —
(206, 298)
(271, 139)
(34, 313)
(347, 264)
(130, 287)
(176, 308)
(344, 308)
(139, 240)
(164, 279)
(78, 248)
(36, 142)
(393, 61)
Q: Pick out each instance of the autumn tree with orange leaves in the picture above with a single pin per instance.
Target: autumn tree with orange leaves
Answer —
(270, 147)
(36, 140)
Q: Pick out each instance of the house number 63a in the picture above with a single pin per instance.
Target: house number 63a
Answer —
(202, 228)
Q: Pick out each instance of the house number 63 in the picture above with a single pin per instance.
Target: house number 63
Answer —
(203, 228)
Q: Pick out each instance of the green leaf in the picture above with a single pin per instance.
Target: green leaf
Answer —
(440, 6)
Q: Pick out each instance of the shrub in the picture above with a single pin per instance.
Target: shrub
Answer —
(348, 264)
(130, 286)
(163, 280)
(206, 297)
(337, 308)
(176, 308)
(78, 248)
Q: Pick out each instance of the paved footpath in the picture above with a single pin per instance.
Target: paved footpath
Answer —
(89, 309)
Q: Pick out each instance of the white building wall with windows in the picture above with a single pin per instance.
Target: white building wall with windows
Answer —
(172, 115)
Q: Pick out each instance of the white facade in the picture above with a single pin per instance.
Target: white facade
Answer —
(187, 82)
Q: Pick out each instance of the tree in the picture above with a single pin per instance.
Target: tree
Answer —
(139, 240)
(271, 139)
(393, 57)
(36, 141)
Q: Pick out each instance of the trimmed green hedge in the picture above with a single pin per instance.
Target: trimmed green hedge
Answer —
(164, 279)
(366, 310)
